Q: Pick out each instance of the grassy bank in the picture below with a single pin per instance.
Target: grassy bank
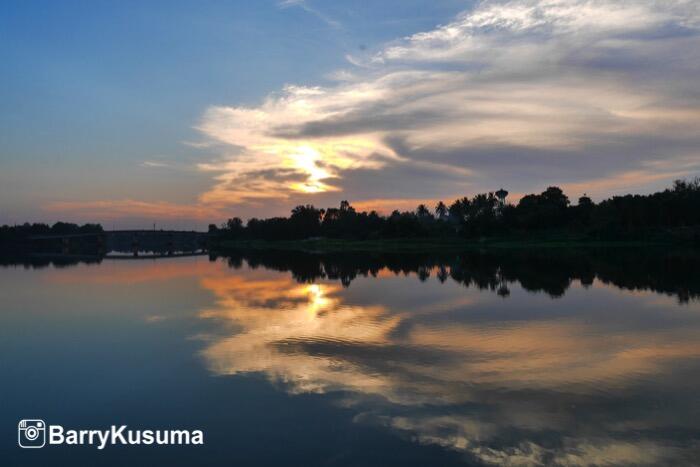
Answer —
(424, 244)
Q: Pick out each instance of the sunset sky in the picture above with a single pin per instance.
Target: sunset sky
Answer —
(185, 113)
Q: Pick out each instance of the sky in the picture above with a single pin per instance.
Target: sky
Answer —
(187, 113)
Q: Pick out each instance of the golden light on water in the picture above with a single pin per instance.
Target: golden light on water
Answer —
(317, 300)
(275, 312)
(422, 365)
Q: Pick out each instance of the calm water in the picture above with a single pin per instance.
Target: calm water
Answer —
(527, 359)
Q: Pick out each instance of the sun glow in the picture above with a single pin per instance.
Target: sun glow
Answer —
(317, 300)
(306, 159)
(438, 104)
(275, 159)
(322, 160)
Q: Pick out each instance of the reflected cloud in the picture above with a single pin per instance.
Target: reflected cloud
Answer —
(529, 390)
(278, 319)
(135, 272)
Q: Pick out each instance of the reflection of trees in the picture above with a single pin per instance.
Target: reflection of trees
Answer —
(529, 390)
(42, 261)
(551, 271)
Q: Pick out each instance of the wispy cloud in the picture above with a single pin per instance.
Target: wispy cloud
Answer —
(510, 93)
(129, 208)
(304, 5)
(154, 164)
(163, 162)
(594, 95)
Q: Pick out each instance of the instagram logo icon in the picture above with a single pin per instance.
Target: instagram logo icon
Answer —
(31, 433)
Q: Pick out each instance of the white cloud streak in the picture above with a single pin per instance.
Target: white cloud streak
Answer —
(583, 85)
(304, 5)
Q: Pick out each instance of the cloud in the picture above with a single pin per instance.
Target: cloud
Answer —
(118, 209)
(163, 162)
(304, 5)
(598, 96)
(499, 91)
(154, 164)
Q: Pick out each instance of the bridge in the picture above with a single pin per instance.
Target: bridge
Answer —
(133, 241)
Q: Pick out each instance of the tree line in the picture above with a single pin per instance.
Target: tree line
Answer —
(675, 209)
(485, 215)
(13, 234)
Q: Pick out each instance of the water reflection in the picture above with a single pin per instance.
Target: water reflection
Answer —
(551, 271)
(601, 376)
(520, 358)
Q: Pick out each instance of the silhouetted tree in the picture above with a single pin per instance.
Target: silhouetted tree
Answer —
(441, 211)
(422, 211)
(620, 217)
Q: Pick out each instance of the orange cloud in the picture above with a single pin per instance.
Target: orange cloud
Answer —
(117, 209)
(623, 182)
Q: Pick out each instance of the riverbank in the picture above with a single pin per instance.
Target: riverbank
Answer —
(324, 245)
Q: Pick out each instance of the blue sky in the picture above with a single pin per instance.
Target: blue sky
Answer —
(128, 112)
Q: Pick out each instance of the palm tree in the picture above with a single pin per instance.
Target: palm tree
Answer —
(441, 210)
(422, 211)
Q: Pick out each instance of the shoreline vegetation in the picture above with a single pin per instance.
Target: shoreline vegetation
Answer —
(484, 221)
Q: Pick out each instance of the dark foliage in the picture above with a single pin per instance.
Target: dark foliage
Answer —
(18, 234)
(484, 215)
(551, 271)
